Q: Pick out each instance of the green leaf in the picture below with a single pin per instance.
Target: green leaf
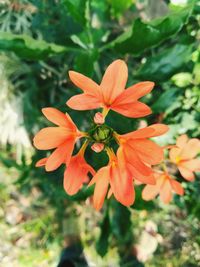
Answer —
(27, 47)
(76, 9)
(142, 36)
(121, 228)
(182, 79)
(163, 65)
(103, 241)
(165, 100)
(119, 6)
(84, 63)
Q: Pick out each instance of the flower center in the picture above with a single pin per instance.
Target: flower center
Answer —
(101, 133)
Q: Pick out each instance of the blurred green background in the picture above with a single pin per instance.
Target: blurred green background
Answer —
(39, 42)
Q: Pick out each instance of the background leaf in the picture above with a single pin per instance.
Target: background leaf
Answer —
(26, 47)
(143, 35)
(164, 64)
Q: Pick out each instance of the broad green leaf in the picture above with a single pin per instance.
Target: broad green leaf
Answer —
(143, 35)
(162, 66)
(165, 100)
(103, 241)
(121, 223)
(26, 47)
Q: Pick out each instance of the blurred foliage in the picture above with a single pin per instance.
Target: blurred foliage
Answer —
(39, 42)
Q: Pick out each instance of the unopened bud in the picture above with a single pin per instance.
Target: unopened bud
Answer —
(98, 118)
(97, 147)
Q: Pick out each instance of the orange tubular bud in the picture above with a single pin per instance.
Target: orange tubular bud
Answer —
(99, 118)
(97, 147)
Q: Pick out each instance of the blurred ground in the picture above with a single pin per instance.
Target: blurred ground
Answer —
(30, 234)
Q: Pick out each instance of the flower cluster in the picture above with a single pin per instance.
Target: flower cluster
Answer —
(182, 155)
(133, 161)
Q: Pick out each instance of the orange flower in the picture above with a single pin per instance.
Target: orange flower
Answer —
(62, 138)
(111, 93)
(140, 153)
(119, 179)
(76, 172)
(183, 155)
(164, 187)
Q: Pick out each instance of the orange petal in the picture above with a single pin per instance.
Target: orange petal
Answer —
(140, 178)
(166, 192)
(131, 94)
(192, 164)
(114, 80)
(102, 181)
(61, 155)
(59, 118)
(122, 186)
(135, 109)
(159, 129)
(51, 137)
(41, 162)
(187, 174)
(83, 102)
(177, 187)
(182, 140)
(191, 149)
(150, 192)
(136, 163)
(174, 154)
(85, 83)
(75, 175)
(147, 132)
(148, 151)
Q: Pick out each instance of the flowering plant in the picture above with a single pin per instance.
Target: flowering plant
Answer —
(133, 160)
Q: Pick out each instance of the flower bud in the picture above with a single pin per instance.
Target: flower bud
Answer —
(98, 118)
(97, 147)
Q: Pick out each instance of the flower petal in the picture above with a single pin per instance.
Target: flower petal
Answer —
(166, 192)
(132, 110)
(138, 177)
(191, 149)
(85, 83)
(182, 140)
(133, 159)
(41, 162)
(177, 187)
(131, 94)
(147, 132)
(75, 175)
(114, 80)
(150, 192)
(148, 151)
(51, 137)
(83, 102)
(59, 118)
(61, 155)
(192, 165)
(174, 154)
(102, 181)
(122, 186)
(187, 174)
